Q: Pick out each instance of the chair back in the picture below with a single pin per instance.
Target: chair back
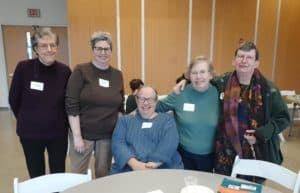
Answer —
(288, 92)
(285, 93)
(268, 170)
(50, 183)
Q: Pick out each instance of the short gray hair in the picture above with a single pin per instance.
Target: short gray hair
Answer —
(101, 36)
(40, 33)
(195, 61)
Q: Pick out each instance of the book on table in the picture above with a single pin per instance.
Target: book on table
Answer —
(235, 186)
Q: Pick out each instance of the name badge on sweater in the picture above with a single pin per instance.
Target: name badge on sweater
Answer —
(146, 125)
(34, 85)
(103, 83)
(189, 107)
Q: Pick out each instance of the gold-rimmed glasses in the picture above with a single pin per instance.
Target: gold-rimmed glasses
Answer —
(245, 57)
(47, 46)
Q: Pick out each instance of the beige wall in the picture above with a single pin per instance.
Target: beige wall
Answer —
(166, 30)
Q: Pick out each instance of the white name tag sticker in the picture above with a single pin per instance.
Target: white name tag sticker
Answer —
(103, 83)
(146, 125)
(222, 95)
(189, 107)
(37, 85)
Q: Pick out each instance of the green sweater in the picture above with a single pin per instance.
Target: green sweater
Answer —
(196, 114)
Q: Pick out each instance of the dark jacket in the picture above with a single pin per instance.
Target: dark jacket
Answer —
(276, 118)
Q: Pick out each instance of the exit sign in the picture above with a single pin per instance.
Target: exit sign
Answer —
(33, 12)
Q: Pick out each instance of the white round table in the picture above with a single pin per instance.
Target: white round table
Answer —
(168, 181)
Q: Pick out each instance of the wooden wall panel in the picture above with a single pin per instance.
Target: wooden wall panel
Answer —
(79, 15)
(201, 28)
(288, 68)
(14, 40)
(86, 17)
(266, 35)
(166, 33)
(130, 24)
(104, 19)
(63, 48)
(233, 21)
(166, 24)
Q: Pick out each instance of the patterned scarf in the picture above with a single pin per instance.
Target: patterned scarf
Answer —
(248, 100)
(243, 109)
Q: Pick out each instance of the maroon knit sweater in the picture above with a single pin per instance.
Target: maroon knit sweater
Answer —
(40, 113)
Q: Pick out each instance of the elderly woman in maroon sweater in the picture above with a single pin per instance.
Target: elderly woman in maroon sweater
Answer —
(36, 98)
(94, 99)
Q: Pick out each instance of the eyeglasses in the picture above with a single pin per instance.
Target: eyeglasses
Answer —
(144, 99)
(242, 57)
(100, 49)
(201, 72)
(46, 46)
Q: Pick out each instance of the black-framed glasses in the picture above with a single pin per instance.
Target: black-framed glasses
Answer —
(101, 49)
(144, 99)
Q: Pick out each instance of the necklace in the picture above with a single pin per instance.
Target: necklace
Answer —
(244, 90)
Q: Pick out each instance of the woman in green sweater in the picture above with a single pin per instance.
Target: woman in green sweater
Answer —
(196, 112)
(253, 113)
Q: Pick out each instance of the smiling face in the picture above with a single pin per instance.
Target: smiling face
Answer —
(146, 99)
(102, 54)
(245, 62)
(200, 75)
(46, 49)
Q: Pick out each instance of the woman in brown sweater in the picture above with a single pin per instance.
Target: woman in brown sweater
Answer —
(94, 100)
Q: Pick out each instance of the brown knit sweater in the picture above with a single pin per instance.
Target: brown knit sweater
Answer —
(96, 96)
